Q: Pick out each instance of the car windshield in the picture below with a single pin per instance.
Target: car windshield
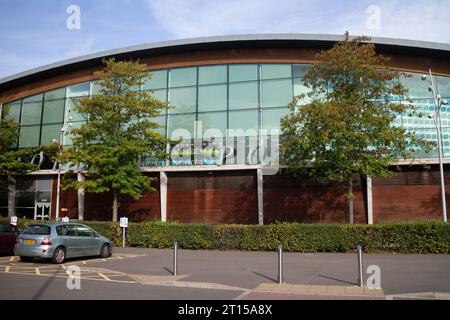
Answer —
(38, 229)
(6, 228)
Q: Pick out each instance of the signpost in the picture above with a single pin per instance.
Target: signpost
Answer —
(13, 220)
(123, 224)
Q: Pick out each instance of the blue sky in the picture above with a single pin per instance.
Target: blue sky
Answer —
(34, 33)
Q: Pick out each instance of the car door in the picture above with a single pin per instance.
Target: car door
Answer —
(90, 247)
(74, 243)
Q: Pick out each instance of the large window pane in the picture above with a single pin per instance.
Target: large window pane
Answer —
(29, 137)
(53, 111)
(272, 117)
(181, 126)
(161, 121)
(299, 70)
(56, 94)
(244, 95)
(72, 114)
(274, 71)
(44, 183)
(37, 97)
(243, 121)
(160, 95)
(183, 100)
(50, 132)
(416, 87)
(158, 80)
(78, 90)
(31, 113)
(444, 86)
(212, 74)
(213, 120)
(212, 98)
(276, 93)
(299, 89)
(243, 72)
(13, 111)
(180, 77)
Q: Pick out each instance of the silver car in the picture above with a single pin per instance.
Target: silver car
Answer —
(59, 241)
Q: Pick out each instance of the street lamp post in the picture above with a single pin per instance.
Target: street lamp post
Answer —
(61, 143)
(438, 102)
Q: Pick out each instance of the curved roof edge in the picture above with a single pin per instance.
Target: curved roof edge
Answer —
(216, 42)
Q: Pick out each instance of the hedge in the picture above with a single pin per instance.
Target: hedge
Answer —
(412, 238)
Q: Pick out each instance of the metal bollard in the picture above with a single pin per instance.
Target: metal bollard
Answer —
(175, 258)
(280, 263)
(360, 266)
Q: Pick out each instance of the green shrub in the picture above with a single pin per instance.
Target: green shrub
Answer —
(414, 237)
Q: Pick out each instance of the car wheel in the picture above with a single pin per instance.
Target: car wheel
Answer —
(105, 251)
(59, 256)
(26, 259)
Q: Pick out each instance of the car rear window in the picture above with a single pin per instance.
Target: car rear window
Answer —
(38, 229)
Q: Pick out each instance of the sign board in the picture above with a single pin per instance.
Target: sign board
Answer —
(14, 220)
(123, 222)
(65, 219)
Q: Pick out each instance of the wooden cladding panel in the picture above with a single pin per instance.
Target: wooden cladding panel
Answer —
(217, 197)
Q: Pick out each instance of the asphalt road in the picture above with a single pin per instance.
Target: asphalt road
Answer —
(134, 273)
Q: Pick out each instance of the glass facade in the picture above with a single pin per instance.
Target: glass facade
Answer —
(243, 98)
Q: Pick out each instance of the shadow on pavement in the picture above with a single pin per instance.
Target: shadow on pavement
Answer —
(264, 276)
(338, 280)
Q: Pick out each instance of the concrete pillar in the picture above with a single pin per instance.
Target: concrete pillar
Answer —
(80, 178)
(11, 195)
(163, 195)
(369, 201)
(260, 197)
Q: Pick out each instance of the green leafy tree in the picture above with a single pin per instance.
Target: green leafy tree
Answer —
(118, 133)
(345, 124)
(12, 161)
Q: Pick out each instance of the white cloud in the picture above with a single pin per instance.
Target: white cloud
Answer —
(415, 19)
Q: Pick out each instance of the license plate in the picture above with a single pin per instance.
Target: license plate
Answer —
(29, 242)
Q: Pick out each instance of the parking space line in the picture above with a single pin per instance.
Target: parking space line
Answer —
(63, 266)
(7, 268)
(37, 271)
(11, 259)
(103, 276)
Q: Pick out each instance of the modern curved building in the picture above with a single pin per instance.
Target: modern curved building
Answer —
(242, 84)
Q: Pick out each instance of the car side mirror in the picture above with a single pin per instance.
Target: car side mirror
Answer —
(97, 235)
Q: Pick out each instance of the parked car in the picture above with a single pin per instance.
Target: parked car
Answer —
(8, 235)
(59, 241)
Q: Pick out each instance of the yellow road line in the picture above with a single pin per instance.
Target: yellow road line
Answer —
(37, 271)
(7, 268)
(63, 266)
(103, 276)
(11, 259)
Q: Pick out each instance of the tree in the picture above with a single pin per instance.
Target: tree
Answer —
(12, 161)
(119, 131)
(347, 127)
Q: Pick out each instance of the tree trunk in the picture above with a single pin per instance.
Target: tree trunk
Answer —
(115, 207)
(350, 199)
